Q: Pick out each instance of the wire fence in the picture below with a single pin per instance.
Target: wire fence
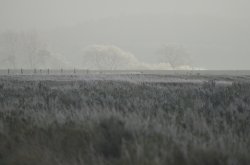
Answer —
(43, 71)
(85, 71)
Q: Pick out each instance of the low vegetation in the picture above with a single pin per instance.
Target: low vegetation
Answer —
(118, 122)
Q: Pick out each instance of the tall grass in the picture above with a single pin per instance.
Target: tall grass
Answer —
(117, 122)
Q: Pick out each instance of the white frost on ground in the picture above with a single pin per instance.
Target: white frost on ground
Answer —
(133, 78)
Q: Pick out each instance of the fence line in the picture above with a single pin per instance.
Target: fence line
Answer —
(75, 71)
(36, 71)
(62, 71)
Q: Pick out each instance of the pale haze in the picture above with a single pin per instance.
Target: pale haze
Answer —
(214, 33)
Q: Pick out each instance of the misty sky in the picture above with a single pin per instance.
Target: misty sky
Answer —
(215, 32)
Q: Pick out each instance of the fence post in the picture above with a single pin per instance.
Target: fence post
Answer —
(48, 71)
(61, 70)
(74, 70)
(8, 71)
(21, 71)
(35, 71)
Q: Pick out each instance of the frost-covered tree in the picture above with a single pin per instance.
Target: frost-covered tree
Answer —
(175, 55)
(31, 46)
(19, 48)
(9, 48)
(25, 50)
(107, 57)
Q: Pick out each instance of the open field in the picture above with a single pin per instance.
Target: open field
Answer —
(139, 119)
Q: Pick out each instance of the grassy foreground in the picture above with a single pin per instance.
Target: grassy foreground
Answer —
(117, 122)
